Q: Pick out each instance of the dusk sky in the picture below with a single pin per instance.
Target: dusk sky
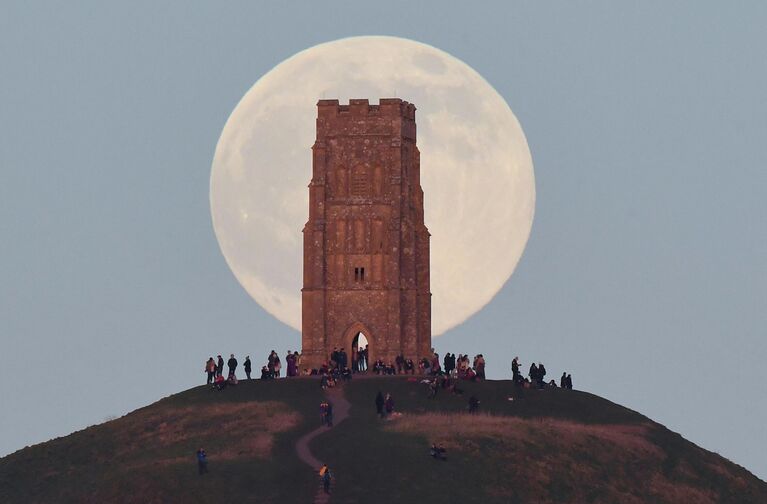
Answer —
(644, 275)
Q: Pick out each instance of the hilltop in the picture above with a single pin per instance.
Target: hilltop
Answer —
(539, 446)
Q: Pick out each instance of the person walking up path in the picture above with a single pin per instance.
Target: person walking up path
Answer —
(340, 412)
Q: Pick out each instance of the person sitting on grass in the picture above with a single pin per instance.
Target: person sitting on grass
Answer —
(433, 388)
(265, 374)
(220, 383)
(438, 452)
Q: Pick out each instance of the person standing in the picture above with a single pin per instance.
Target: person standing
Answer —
(389, 404)
(220, 366)
(364, 359)
(533, 373)
(563, 380)
(515, 369)
(480, 367)
(247, 366)
(325, 477)
(569, 382)
(541, 374)
(270, 363)
(232, 365)
(290, 360)
(210, 368)
(202, 461)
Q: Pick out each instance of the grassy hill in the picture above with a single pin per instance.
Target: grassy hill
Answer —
(542, 446)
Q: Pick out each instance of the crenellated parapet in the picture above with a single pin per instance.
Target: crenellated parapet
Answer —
(391, 107)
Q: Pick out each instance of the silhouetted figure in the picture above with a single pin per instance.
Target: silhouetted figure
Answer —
(270, 361)
(541, 374)
(515, 369)
(220, 366)
(247, 366)
(231, 364)
(380, 404)
(202, 462)
(479, 366)
(473, 404)
(533, 373)
(563, 380)
(569, 382)
(363, 358)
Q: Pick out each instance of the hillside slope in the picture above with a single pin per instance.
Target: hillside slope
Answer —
(542, 446)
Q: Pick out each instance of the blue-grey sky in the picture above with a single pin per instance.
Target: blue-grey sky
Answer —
(644, 275)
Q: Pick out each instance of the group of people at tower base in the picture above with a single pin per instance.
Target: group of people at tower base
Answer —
(452, 368)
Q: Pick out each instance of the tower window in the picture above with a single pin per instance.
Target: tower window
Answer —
(356, 274)
(360, 183)
(362, 274)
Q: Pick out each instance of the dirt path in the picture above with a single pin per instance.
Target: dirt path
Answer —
(340, 412)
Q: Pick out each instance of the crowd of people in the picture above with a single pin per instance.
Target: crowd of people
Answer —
(536, 377)
(451, 368)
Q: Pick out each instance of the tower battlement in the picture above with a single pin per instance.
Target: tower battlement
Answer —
(393, 107)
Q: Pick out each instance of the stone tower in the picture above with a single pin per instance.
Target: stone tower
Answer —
(366, 248)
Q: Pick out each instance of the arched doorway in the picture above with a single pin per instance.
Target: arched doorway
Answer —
(359, 352)
(357, 337)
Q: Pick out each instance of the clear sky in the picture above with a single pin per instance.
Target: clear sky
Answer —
(645, 274)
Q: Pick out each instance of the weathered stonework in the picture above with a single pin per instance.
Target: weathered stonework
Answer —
(366, 248)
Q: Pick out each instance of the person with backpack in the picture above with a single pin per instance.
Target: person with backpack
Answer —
(210, 368)
(325, 476)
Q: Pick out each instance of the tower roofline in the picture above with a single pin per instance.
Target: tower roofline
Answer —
(394, 107)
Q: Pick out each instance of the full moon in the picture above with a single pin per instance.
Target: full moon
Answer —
(476, 171)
